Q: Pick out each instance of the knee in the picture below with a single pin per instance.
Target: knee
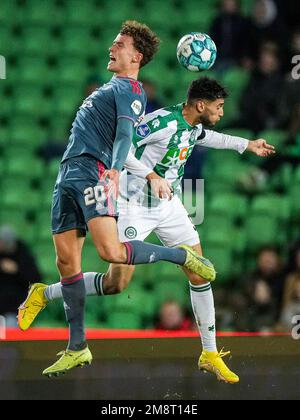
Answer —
(119, 287)
(196, 280)
(62, 262)
(112, 254)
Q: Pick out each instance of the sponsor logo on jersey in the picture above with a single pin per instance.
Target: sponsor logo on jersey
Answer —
(177, 156)
(143, 130)
(155, 123)
(137, 107)
(131, 232)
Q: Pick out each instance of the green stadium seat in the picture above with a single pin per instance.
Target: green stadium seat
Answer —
(42, 13)
(16, 217)
(32, 69)
(60, 127)
(30, 168)
(124, 320)
(67, 100)
(72, 72)
(284, 177)
(177, 290)
(294, 197)
(231, 112)
(123, 11)
(195, 19)
(43, 218)
(29, 100)
(239, 241)
(222, 259)
(235, 80)
(27, 199)
(77, 41)
(91, 260)
(84, 14)
(33, 137)
(53, 168)
(273, 205)
(6, 37)
(232, 206)
(218, 237)
(11, 13)
(39, 40)
(261, 230)
(247, 7)
(239, 132)
(46, 260)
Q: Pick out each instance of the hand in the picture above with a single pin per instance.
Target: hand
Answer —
(112, 187)
(160, 186)
(261, 148)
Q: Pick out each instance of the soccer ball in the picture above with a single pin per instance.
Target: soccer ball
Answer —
(196, 51)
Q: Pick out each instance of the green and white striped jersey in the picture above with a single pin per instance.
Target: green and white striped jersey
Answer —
(162, 143)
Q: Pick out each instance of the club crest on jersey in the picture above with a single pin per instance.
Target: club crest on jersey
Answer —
(136, 107)
(143, 130)
(131, 232)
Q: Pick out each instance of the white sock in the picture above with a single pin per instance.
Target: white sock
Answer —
(204, 310)
(92, 282)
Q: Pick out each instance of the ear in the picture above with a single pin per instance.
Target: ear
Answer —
(200, 106)
(137, 58)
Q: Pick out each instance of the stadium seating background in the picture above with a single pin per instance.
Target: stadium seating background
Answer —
(51, 48)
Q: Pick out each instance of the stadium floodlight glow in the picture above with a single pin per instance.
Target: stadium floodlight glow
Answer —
(2, 67)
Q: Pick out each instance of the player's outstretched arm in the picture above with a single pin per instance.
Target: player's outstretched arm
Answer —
(260, 148)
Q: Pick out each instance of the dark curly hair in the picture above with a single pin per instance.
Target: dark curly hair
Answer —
(144, 40)
(205, 88)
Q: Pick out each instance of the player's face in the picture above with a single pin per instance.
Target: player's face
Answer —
(212, 112)
(123, 56)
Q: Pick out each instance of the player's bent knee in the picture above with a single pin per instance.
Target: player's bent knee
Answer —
(67, 265)
(196, 280)
(111, 254)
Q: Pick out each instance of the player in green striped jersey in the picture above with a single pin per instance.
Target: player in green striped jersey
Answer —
(162, 144)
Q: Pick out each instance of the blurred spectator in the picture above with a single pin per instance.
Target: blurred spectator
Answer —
(291, 302)
(260, 103)
(227, 30)
(293, 265)
(267, 25)
(290, 97)
(264, 291)
(17, 270)
(172, 318)
(152, 102)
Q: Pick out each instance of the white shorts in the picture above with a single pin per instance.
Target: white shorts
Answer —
(169, 221)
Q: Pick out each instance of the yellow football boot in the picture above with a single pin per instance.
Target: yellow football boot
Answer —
(69, 360)
(212, 361)
(32, 306)
(199, 265)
